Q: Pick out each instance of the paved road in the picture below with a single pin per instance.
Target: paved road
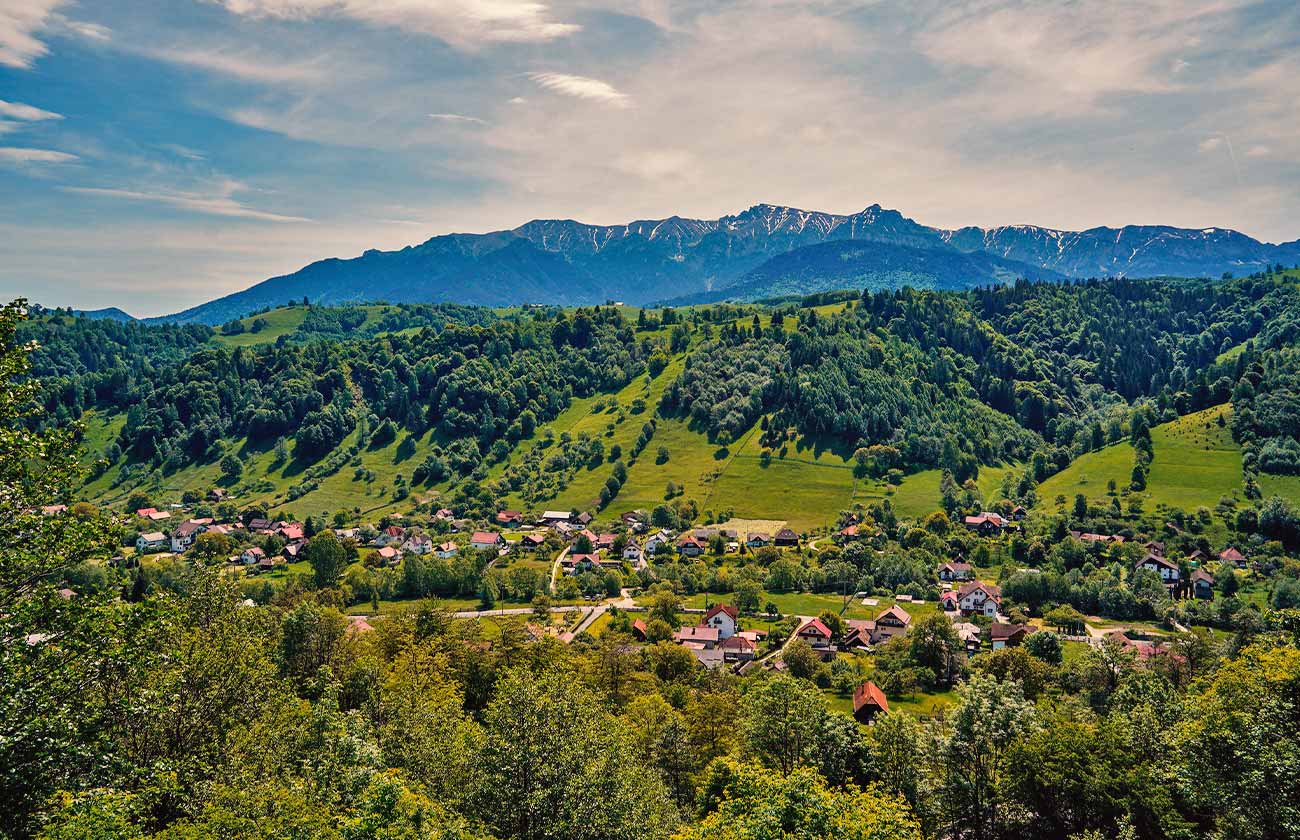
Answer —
(512, 611)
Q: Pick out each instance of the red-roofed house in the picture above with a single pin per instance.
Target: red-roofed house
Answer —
(724, 618)
(869, 701)
(1233, 556)
(986, 522)
(510, 518)
(979, 597)
(891, 623)
(956, 571)
(483, 540)
(738, 649)
(688, 546)
(697, 634)
(1167, 569)
(815, 633)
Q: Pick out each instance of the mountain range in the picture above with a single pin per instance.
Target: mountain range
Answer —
(765, 251)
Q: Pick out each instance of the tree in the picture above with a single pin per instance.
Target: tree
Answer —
(782, 719)
(327, 557)
(1080, 507)
(48, 687)
(984, 725)
(1044, 645)
(936, 648)
(1066, 619)
(552, 766)
(748, 803)
(231, 467)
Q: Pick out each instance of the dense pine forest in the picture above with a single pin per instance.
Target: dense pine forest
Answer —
(280, 676)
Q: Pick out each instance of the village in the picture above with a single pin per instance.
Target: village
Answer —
(591, 577)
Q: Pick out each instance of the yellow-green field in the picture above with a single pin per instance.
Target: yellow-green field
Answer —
(1196, 463)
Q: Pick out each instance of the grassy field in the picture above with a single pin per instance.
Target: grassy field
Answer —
(1196, 463)
(278, 322)
(1089, 475)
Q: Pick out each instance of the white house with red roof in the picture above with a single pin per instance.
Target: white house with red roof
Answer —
(484, 540)
(979, 598)
(724, 618)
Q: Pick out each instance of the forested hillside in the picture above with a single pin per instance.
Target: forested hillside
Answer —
(344, 408)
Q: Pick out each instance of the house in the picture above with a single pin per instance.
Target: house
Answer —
(389, 555)
(391, 534)
(552, 517)
(153, 514)
(785, 538)
(485, 540)
(688, 546)
(259, 525)
(1088, 537)
(418, 544)
(218, 494)
(849, 533)
(1007, 635)
(816, 634)
(738, 649)
(252, 556)
(444, 514)
(758, 540)
(640, 631)
(1167, 569)
(956, 571)
(291, 531)
(510, 518)
(266, 564)
(979, 598)
(656, 542)
(724, 618)
(859, 634)
(1233, 556)
(185, 534)
(698, 634)
(969, 635)
(532, 541)
(1202, 584)
(358, 624)
(1154, 547)
(604, 542)
(584, 518)
(445, 550)
(986, 523)
(868, 702)
(574, 561)
(151, 541)
(53, 510)
(1018, 513)
(291, 551)
(634, 554)
(949, 602)
(890, 624)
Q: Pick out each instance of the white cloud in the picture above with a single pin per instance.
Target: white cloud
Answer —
(16, 155)
(465, 23)
(1210, 144)
(582, 87)
(29, 113)
(517, 100)
(245, 64)
(456, 118)
(220, 202)
(20, 21)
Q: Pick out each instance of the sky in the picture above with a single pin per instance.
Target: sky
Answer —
(156, 154)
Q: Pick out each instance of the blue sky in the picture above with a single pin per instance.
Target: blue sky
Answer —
(157, 154)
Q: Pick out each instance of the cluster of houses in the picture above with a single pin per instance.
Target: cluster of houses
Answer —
(1199, 583)
(717, 640)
